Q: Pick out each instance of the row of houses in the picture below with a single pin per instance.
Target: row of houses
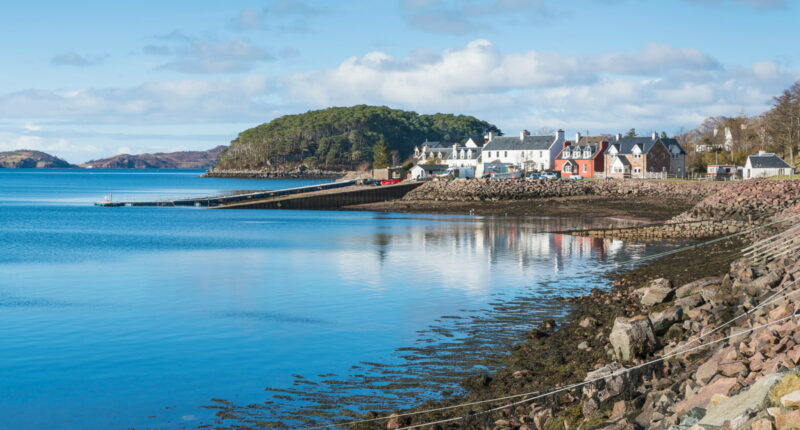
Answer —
(585, 156)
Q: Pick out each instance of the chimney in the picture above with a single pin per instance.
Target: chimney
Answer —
(618, 136)
(489, 136)
(654, 136)
(566, 144)
(524, 133)
(560, 134)
(603, 146)
(762, 152)
(577, 137)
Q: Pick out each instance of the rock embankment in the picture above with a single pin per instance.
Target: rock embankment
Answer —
(720, 352)
(488, 190)
(753, 199)
(730, 209)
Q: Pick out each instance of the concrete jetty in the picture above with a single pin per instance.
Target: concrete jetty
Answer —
(323, 196)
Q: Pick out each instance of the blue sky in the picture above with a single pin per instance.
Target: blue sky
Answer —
(88, 79)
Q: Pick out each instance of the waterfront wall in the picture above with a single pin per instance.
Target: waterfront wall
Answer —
(488, 190)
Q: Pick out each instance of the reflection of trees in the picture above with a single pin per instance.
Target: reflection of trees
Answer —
(382, 241)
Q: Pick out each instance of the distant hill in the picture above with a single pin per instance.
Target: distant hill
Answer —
(29, 159)
(341, 138)
(160, 160)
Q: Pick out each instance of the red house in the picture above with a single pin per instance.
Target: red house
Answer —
(584, 158)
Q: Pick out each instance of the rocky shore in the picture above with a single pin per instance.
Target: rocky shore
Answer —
(663, 350)
(699, 340)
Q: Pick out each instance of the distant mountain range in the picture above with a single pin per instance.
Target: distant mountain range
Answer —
(27, 159)
(159, 160)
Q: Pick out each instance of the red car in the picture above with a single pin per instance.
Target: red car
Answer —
(391, 181)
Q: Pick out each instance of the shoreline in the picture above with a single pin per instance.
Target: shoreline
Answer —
(642, 208)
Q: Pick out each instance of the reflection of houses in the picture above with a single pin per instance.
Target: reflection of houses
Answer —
(584, 158)
(765, 164)
(638, 157)
(524, 151)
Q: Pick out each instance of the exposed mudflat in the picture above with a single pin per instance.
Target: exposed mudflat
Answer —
(650, 208)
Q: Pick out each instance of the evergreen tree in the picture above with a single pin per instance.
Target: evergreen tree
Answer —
(631, 133)
(380, 154)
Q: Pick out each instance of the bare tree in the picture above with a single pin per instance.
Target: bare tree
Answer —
(783, 121)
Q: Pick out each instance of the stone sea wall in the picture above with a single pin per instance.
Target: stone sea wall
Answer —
(488, 190)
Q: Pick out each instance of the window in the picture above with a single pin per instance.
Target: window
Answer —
(585, 168)
(637, 170)
(505, 154)
(541, 153)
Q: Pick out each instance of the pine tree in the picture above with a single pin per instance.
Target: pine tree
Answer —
(380, 154)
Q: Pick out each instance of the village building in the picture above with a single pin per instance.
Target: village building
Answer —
(432, 152)
(765, 164)
(426, 171)
(638, 158)
(722, 172)
(677, 162)
(526, 152)
(584, 157)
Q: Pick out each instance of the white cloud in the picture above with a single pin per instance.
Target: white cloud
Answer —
(184, 101)
(29, 126)
(189, 54)
(72, 58)
(659, 86)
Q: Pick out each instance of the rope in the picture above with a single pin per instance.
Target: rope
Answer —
(675, 353)
(613, 374)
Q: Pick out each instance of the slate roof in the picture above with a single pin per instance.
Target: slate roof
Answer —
(593, 149)
(767, 161)
(434, 145)
(433, 167)
(626, 144)
(514, 143)
(476, 152)
(672, 143)
(593, 140)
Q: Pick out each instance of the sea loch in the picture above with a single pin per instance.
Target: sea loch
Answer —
(116, 318)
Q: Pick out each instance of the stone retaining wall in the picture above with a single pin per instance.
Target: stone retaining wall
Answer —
(488, 190)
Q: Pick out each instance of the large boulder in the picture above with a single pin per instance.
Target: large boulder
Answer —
(658, 291)
(663, 320)
(632, 337)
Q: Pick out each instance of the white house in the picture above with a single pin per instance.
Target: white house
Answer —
(463, 160)
(425, 171)
(524, 151)
(765, 164)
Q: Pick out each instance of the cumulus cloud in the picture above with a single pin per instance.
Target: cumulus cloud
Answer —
(189, 54)
(657, 84)
(74, 59)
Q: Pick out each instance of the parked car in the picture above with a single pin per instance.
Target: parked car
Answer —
(533, 176)
(549, 175)
(390, 181)
(575, 178)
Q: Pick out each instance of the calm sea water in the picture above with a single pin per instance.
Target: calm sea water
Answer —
(115, 318)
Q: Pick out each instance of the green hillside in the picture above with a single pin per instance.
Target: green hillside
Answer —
(342, 137)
